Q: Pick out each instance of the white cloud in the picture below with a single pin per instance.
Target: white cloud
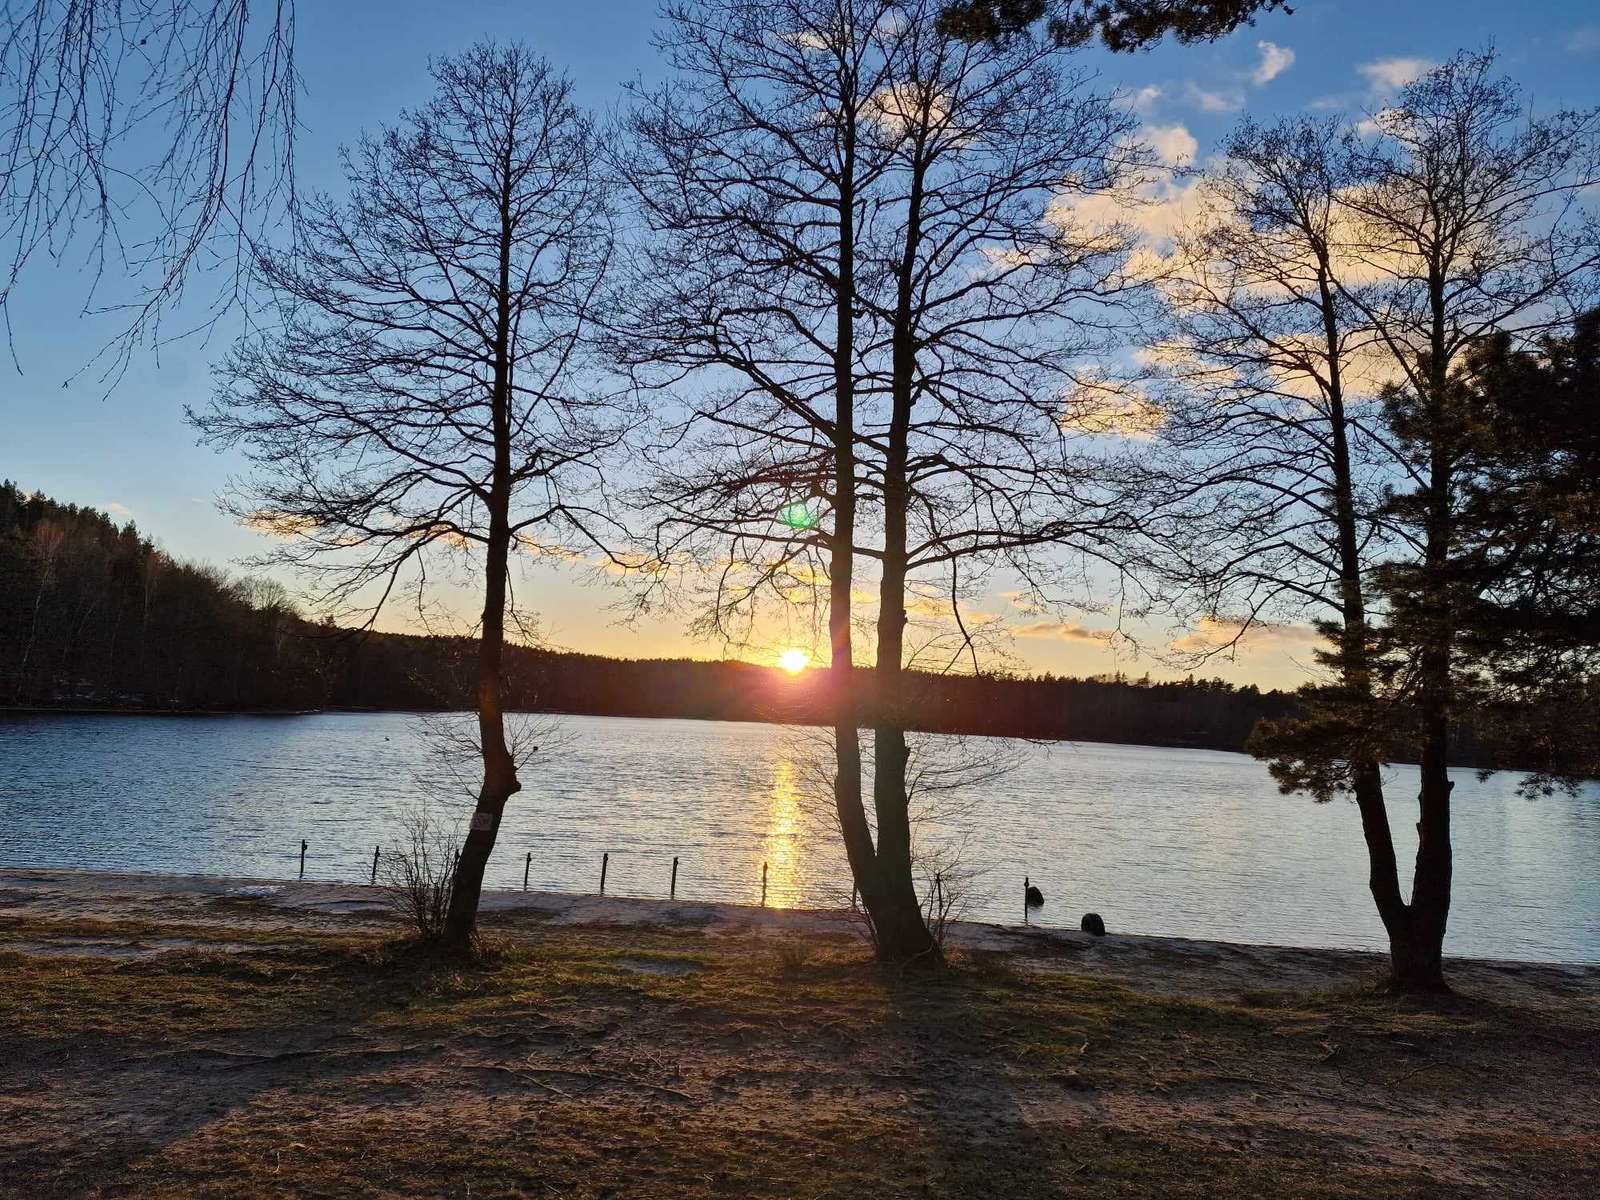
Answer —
(1585, 40)
(1210, 101)
(1159, 210)
(1109, 409)
(1275, 60)
(1175, 145)
(1145, 99)
(119, 510)
(1377, 123)
(807, 39)
(1392, 74)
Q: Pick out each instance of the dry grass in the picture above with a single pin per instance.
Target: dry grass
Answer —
(607, 1061)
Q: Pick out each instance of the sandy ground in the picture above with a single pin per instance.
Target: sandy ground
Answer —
(173, 1036)
(1178, 964)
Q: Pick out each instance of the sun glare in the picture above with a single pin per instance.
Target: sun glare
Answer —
(794, 661)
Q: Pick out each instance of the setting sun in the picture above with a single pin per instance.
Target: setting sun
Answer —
(794, 661)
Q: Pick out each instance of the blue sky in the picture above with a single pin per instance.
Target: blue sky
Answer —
(362, 61)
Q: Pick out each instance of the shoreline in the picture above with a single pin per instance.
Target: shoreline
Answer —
(77, 893)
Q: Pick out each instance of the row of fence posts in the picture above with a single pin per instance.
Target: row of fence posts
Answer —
(527, 868)
(672, 892)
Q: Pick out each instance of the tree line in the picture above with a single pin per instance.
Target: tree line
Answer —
(853, 314)
(94, 616)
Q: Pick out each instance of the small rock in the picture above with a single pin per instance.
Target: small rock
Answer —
(1092, 923)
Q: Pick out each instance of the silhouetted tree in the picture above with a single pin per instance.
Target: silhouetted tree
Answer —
(1522, 584)
(864, 247)
(1123, 25)
(1272, 449)
(156, 132)
(424, 392)
(1462, 230)
(755, 206)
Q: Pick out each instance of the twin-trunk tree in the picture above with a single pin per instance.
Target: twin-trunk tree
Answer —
(1323, 320)
(421, 395)
(863, 264)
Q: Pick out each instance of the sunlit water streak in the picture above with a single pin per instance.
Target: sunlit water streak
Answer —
(1181, 842)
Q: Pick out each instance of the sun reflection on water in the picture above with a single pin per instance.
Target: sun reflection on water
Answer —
(780, 847)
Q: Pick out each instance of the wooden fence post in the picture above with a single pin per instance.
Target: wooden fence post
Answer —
(673, 893)
(605, 861)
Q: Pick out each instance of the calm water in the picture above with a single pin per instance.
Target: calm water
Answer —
(1182, 842)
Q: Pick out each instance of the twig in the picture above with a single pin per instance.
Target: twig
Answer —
(606, 1076)
(524, 1076)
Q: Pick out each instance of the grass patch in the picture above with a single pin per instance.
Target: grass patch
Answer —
(595, 1062)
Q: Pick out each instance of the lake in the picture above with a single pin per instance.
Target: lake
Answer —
(1188, 843)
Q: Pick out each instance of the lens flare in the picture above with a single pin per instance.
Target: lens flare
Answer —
(800, 515)
(794, 661)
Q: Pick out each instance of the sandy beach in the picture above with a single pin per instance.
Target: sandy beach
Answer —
(179, 1036)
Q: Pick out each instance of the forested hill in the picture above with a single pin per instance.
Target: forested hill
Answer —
(93, 615)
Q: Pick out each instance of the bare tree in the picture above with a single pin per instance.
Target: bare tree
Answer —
(749, 279)
(989, 301)
(1466, 218)
(424, 395)
(1438, 228)
(152, 134)
(1272, 453)
(864, 249)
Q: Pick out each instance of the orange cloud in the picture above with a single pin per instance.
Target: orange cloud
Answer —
(1063, 631)
(1214, 633)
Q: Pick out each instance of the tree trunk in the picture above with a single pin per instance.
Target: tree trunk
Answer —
(1420, 967)
(500, 781)
(897, 918)
(841, 563)
(1383, 874)
(499, 771)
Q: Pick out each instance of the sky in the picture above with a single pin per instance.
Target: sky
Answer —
(128, 451)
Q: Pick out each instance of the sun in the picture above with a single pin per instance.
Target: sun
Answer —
(794, 661)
